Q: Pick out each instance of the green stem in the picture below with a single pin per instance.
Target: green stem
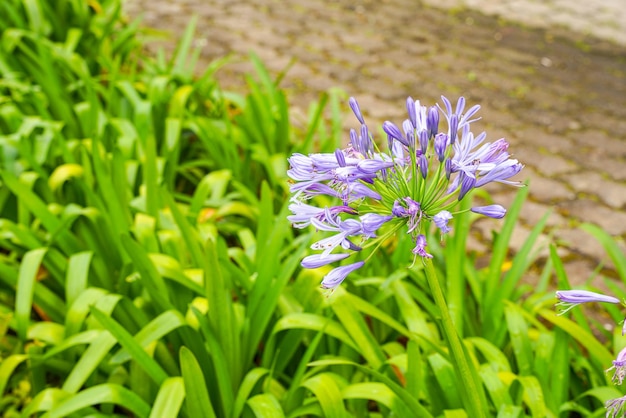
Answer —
(473, 391)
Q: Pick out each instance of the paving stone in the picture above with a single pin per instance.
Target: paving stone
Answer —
(610, 192)
(545, 189)
(587, 210)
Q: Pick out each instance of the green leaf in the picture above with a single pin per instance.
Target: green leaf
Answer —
(104, 393)
(169, 399)
(147, 363)
(88, 362)
(302, 320)
(153, 331)
(25, 287)
(7, 366)
(533, 396)
(518, 333)
(408, 398)
(597, 352)
(357, 328)
(327, 388)
(380, 393)
(245, 389)
(265, 405)
(197, 400)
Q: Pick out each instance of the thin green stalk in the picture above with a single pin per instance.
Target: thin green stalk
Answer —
(474, 398)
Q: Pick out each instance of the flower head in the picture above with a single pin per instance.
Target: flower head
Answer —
(427, 169)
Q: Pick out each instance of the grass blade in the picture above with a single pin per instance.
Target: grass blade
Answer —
(169, 399)
(26, 280)
(197, 400)
(105, 393)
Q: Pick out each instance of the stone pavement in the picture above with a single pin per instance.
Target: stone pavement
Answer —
(557, 95)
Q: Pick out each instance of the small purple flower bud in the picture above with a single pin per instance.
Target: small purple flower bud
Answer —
(441, 143)
(356, 109)
(432, 121)
(410, 108)
(583, 296)
(354, 140)
(569, 299)
(493, 211)
(338, 275)
(423, 164)
(366, 142)
(398, 210)
(319, 260)
(420, 247)
(441, 220)
(392, 130)
(423, 134)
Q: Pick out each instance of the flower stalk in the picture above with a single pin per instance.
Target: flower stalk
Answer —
(474, 398)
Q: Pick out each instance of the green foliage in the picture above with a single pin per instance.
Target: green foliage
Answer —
(148, 268)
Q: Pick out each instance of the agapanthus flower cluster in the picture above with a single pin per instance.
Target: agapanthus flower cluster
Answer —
(569, 299)
(424, 173)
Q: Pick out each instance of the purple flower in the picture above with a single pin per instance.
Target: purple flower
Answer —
(410, 109)
(412, 211)
(583, 296)
(302, 213)
(319, 260)
(454, 127)
(569, 299)
(614, 407)
(441, 221)
(423, 137)
(441, 144)
(432, 121)
(371, 222)
(354, 105)
(493, 211)
(420, 247)
(619, 365)
(467, 184)
(501, 173)
(370, 166)
(414, 180)
(361, 191)
(338, 274)
(393, 131)
(344, 230)
(423, 164)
